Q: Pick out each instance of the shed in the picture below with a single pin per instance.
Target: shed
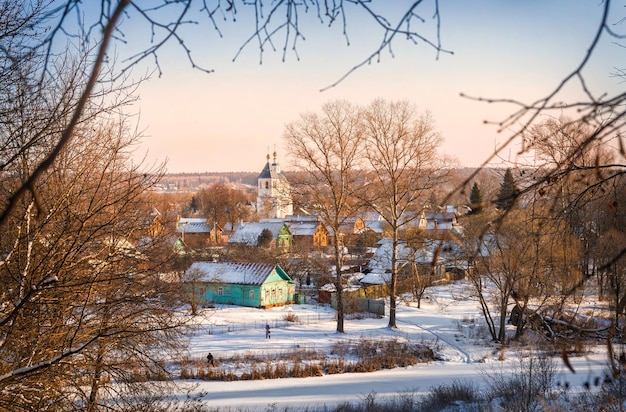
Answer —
(261, 285)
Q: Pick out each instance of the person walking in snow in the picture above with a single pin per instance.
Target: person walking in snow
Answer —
(209, 359)
(267, 331)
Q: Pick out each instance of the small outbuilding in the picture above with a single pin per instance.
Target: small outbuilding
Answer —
(260, 285)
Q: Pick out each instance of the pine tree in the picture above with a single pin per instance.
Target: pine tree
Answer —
(476, 200)
(265, 238)
(508, 192)
(193, 205)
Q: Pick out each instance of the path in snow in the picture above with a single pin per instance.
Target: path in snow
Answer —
(465, 354)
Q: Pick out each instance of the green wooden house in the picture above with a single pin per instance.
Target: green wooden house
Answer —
(260, 285)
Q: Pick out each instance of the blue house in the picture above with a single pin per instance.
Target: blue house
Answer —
(260, 285)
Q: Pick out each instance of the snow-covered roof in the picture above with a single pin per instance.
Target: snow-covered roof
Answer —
(193, 225)
(381, 260)
(303, 228)
(373, 221)
(298, 225)
(438, 225)
(444, 250)
(248, 232)
(375, 278)
(240, 273)
(302, 218)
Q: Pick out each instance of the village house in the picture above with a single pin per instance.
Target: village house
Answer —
(374, 222)
(260, 285)
(428, 259)
(248, 234)
(352, 226)
(440, 220)
(156, 225)
(198, 232)
(349, 230)
(307, 231)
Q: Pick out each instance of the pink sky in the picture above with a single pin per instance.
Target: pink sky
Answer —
(227, 120)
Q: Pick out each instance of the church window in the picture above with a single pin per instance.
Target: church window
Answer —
(267, 185)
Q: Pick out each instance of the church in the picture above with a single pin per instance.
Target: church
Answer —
(273, 192)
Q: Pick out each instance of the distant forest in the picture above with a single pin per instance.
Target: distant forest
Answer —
(192, 182)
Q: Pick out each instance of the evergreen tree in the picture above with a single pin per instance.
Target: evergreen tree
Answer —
(193, 205)
(508, 192)
(265, 238)
(434, 203)
(476, 200)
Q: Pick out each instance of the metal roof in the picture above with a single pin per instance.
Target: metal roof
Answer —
(193, 225)
(248, 232)
(240, 273)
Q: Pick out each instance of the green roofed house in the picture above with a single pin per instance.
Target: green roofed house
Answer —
(260, 285)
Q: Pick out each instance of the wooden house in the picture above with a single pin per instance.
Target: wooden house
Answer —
(434, 221)
(307, 231)
(260, 285)
(352, 226)
(198, 232)
(156, 225)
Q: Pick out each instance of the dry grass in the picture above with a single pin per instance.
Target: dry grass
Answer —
(364, 355)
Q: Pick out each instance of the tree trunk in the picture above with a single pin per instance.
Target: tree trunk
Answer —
(503, 310)
(92, 404)
(522, 322)
(394, 277)
(338, 284)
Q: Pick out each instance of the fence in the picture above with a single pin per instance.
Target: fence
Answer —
(215, 329)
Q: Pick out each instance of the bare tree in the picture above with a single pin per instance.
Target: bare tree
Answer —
(223, 205)
(601, 114)
(577, 179)
(403, 168)
(614, 277)
(32, 32)
(27, 36)
(327, 149)
(524, 256)
(85, 305)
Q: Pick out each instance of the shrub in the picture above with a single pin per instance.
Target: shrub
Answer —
(446, 396)
(528, 388)
(290, 317)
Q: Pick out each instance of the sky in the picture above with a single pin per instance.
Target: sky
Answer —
(454, 327)
(229, 119)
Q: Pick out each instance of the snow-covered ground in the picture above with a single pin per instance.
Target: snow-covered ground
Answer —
(446, 321)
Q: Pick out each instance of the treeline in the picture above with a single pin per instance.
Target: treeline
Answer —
(192, 181)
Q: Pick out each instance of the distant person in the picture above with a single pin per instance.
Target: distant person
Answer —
(267, 331)
(209, 359)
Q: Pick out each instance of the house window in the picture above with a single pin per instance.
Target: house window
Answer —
(250, 294)
(280, 293)
(273, 294)
(267, 295)
(220, 291)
